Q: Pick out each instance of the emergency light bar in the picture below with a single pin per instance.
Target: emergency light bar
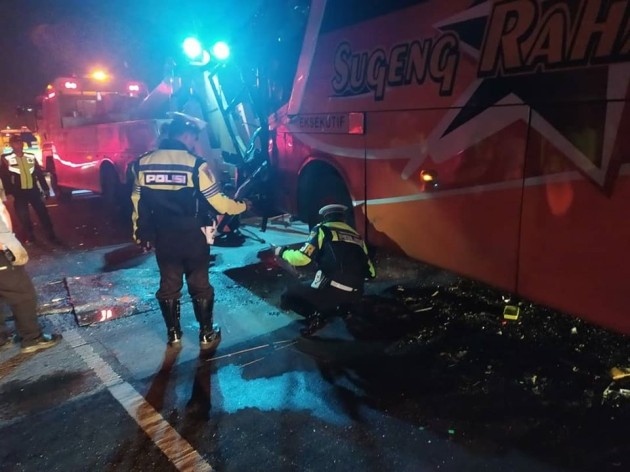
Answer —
(221, 50)
(99, 75)
(90, 86)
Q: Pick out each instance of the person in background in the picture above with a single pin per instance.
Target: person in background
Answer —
(343, 265)
(17, 290)
(174, 194)
(23, 178)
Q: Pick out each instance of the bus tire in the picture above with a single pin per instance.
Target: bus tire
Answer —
(110, 186)
(63, 194)
(321, 188)
(49, 165)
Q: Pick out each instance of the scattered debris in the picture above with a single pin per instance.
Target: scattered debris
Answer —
(420, 310)
(619, 372)
(615, 395)
(511, 312)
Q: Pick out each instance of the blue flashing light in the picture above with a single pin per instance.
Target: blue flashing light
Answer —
(192, 48)
(221, 50)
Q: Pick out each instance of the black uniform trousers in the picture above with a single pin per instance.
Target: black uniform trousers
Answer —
(179, 254)
(32, 197)
(17, 290)
(306, 300)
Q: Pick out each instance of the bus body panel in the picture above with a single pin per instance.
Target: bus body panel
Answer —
(466, 219)
(585, 274)
(575, 228)
(90, 125)
(81, 151)
(514, 110)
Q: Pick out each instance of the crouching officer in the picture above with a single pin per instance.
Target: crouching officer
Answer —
(174, 191)
(343, 264)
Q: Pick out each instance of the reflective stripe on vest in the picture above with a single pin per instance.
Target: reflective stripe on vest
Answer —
(24, 167)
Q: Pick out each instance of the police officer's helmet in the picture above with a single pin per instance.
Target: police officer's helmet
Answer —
(334, 212)
(180, 125)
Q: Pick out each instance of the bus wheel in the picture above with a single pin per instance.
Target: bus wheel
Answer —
(110, 186)
(63, 194)
(325, 189)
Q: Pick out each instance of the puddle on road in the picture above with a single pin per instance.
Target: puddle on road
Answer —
(52, 297)
(105, 297)
(25, 397)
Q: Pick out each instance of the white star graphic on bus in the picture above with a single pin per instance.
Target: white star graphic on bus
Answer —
(441, 147)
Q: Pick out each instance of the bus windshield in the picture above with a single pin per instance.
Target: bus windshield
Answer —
(96, 107)
(78, 101)
(273, 42)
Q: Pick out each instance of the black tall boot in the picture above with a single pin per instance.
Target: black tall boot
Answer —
(170, 312)
(209, 333)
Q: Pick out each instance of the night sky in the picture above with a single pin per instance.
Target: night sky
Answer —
(44, 39)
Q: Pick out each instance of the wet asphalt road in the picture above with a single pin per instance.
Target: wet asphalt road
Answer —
(425, 375)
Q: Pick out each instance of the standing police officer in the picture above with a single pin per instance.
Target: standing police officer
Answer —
(173, 195)
(343, 264)
(22, 177)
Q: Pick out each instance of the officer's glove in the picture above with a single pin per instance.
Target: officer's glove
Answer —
(13, 249)
(278, 250)
(210, 232)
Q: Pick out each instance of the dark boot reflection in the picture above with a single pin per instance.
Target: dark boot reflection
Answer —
(193, 420)
(164, 383)
(198, 407)
(164, 376)
(197, 424)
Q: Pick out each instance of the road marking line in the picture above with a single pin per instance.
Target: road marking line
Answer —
(179, 451)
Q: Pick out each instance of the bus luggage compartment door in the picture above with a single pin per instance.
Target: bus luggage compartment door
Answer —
(574, 244)
(452, 199)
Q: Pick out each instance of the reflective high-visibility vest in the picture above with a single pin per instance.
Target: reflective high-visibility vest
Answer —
(24, 169)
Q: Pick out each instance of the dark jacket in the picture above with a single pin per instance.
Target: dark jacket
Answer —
(174, 190)
(339, 253)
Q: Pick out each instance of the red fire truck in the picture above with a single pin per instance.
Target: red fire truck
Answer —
(89, 132)
(487, 138)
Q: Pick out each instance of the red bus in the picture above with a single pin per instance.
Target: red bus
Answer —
(486, 138)
(89, 132)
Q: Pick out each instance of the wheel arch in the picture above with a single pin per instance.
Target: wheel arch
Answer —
(309, 189)
(107, 165)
